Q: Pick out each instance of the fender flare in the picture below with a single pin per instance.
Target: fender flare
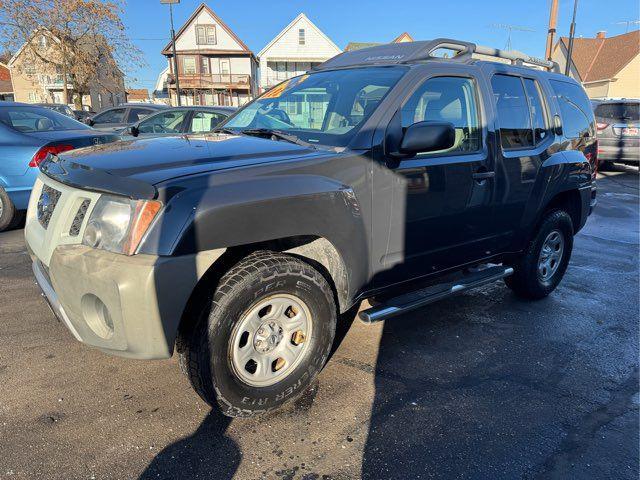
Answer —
(563, 171)
(266, 209)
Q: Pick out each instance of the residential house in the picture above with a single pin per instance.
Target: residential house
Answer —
(161, 90)
(351, 46)
(35, 82)
(215, 67)
(138, 95)
(608, 67)
(296, 49)
(6, 88)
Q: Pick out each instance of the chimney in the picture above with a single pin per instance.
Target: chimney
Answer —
(601, 34)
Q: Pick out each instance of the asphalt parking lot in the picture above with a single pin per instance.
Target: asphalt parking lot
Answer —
(478, 386)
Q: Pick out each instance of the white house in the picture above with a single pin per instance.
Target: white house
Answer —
(296, 49)
(215, 67)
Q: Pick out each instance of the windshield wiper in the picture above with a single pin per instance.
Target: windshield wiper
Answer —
(278, 134)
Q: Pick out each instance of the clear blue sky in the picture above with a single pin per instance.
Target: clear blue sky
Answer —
(257, 22)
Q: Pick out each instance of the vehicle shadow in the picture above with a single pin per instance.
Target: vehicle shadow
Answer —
(207, 453)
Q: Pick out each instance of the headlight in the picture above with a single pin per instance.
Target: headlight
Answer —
(118, 224)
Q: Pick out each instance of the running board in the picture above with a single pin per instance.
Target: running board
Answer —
(433, 293)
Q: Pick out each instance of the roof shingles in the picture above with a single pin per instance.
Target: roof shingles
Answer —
(599, 59)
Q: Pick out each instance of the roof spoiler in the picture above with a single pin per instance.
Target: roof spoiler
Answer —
(402, 53)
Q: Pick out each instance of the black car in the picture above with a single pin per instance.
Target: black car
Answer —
(179, 121)
(618, 123)
(83, 115)
(58, 107)
(385, 172)
(114, 119)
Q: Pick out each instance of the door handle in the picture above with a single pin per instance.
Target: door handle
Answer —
(483, 175)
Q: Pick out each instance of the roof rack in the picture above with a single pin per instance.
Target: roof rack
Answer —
(412, 52)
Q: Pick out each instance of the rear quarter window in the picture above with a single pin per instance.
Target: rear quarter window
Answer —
(575, 109)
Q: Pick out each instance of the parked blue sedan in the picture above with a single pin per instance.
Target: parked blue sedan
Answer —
(27, 135)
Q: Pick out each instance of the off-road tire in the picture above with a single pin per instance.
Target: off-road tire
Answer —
(205, 353)
(8, 215)
(525, 281)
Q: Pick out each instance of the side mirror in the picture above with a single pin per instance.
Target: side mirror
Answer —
(428, 137)
(89, 122)
(133, 130)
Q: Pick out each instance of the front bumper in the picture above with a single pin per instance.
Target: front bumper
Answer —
(128, 306)
(125, 306)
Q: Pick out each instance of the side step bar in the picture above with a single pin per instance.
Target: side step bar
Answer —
(433, 293)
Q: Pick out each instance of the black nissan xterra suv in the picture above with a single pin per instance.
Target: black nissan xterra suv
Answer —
(386, 172)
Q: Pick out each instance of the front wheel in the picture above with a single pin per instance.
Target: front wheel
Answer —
(264, 336)
(539, 270)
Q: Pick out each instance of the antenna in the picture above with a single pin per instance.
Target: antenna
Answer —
(510, 28)
(627, 23)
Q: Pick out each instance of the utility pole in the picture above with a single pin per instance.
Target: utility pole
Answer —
(551, 33)
(572, 33)
(173, 45)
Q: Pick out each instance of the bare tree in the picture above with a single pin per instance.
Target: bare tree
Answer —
(85, 41)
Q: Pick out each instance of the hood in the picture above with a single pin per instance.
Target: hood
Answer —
(135, 166)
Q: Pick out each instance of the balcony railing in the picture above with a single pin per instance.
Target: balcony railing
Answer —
(214, 81)
(55, 82)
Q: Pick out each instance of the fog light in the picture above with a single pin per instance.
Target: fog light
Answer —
(97, 316)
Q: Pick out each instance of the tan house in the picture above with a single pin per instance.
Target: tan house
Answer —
(608, 67)
(351, 46)
(6, 89)
(215, 67)
(37, 82)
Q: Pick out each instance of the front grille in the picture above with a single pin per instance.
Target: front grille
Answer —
(47, 204)
(77, 221)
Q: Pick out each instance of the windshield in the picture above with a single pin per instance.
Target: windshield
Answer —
(37, 119)
(325, 108)
(619, 111)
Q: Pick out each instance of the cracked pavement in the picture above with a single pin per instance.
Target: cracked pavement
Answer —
(482, 385)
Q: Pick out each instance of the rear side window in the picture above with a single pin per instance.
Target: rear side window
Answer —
(37, 119)
(619, 111)
(447, 99)
(115, 115)
(575, 108)
(513, 112)
(204, 122)
(538, 111)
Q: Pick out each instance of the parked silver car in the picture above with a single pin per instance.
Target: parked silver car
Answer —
(179, 120)
(618, 123)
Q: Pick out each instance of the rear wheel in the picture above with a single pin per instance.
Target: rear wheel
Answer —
(7, 211)
(539, 270)
(264, 336)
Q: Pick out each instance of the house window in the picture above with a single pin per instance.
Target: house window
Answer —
(189, 65)
(29, 69)
(204, 66)
(206, 34)
(225, 67)
(301, 39)
(32, 97)
(42, 41)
